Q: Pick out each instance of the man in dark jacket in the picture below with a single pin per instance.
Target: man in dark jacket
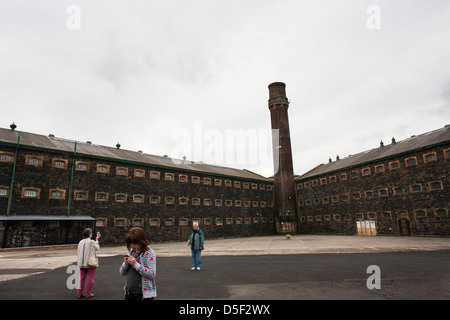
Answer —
(196, 240)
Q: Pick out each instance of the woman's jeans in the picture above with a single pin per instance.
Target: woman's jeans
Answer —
(89, 273)
(196, 258)
(135, 296)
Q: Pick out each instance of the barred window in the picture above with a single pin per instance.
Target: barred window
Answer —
(81, 166)
(154, 222)
(154, 175)
(170, 200)
(435, 185)
(420, 213)
(139, 173)
(101, 196)
(34, 160)
(169, 222)
(59, 163)
(122, 171)
(6, 157)
(30, 193)
(154, 199)
(412, 161)
(4, 191)
(394, 165)
(429, 157)
(120, 222)
(103, 168)
(441, 213)
(121, 197)
(80, 195)
(57, 194)
(100, 222)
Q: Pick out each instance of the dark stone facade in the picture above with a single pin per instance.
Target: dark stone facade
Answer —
(121, 194)
(406, 194)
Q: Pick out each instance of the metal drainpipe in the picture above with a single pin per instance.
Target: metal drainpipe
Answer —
(71, 179)
(8, 210)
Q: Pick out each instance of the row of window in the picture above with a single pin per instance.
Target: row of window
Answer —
(380, 168)
(81, 195)
(157, 222)
(385, 215)
(384, 192)
(57, 163)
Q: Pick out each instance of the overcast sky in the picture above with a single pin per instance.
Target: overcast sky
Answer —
(176, 77)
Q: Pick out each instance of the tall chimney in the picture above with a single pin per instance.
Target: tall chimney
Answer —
(285, 198)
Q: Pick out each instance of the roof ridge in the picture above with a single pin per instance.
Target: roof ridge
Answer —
(50, 142)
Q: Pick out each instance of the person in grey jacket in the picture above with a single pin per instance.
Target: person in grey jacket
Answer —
(196, 240)
(139, 267)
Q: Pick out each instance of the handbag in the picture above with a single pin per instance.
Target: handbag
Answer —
(92, 258)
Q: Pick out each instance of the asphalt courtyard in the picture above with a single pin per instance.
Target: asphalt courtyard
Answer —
(257, 268)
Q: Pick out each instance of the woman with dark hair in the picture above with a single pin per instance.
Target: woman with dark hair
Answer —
(87, 262)
(139, 266)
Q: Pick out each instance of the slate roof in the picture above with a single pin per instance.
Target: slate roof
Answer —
(46, 218)
(50, 142)
(435, 137)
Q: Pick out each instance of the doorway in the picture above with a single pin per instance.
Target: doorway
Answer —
(404, 227)
(184, 233)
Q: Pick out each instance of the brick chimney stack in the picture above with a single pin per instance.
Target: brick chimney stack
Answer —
(285, 197)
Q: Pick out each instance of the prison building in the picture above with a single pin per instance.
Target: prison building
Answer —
(401, 188)
(52, 188)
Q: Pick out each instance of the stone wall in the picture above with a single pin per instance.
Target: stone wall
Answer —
(119, 195)
(407, 194)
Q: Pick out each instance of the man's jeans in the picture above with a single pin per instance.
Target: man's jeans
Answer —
(196, 258)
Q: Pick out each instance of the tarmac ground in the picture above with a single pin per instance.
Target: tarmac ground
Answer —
(304, 267)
